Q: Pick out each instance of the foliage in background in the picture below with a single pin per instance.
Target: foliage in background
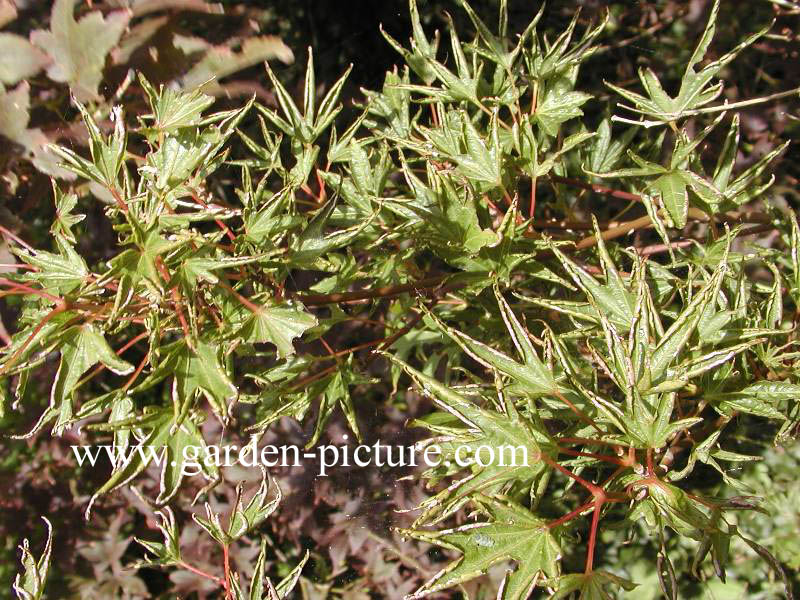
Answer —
(612, 286)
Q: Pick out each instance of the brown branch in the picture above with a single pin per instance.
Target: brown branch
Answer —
(748, 217)
(19, 288)
(136, 373)
(597, 188)
(645, 222)
(615, 232)
(176, 301)
(254, 308)
(304, 381)
(227, 565)
(14, 357)
(388, 291)
(226, 230)
(659, 248)
(757, 229)
(118, 199)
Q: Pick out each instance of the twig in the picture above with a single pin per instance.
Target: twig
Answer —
(381, 292)
(101, 367)
(596, 188)
(202, 573)
(659, 248)
(615, 232)
(227, 560)
(16, 238)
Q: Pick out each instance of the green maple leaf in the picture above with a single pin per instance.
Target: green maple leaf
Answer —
(333, 391)
(674, 192)
(57, 273)
(482, 428)
(483, 160)
(422, 50)
(173, 109)
(277, 325)
(82, 347)
(531, 377)
(673, 341)
(456, 87)
(199, 371)
(613, 299)
(696, 88)
(559, 105)
(140, 262)
(204, 264)
(450, 217)
(65, 220)
(78, 49)
(673, 182)
(337, 393)
(760, 398)
(180, 154)
(30, 584)
(513, 533)
(164, 442)
(590, 586)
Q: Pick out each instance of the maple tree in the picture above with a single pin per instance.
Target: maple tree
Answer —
(450, 222)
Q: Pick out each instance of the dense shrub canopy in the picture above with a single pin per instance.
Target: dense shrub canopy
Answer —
(527, 236)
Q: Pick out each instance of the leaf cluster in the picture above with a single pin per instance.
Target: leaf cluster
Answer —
(446, 223)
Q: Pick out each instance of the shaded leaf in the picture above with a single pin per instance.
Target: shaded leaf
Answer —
(78, 49)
